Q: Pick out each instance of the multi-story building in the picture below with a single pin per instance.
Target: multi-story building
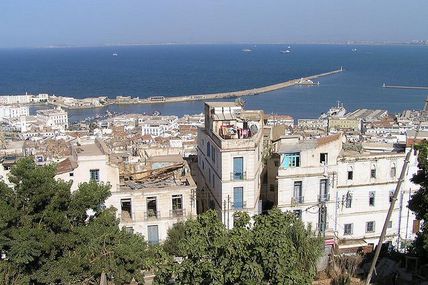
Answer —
(14, 111)
(55, 118)
(15, 99)
(230, 162)
(365, 188)
(344, 193)
(151, 201)
(306, 178)
(159, 126)
(90, 160)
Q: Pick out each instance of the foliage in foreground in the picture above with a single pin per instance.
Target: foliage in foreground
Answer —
(46, 236)
(275, 249)
(419, 201)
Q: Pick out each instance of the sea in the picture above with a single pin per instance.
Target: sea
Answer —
(174, 70)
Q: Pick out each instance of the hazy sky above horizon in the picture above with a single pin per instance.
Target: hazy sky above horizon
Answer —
(31, 23)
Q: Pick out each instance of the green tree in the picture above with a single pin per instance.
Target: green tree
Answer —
(272, 249)
(419, 201)
(49, 236)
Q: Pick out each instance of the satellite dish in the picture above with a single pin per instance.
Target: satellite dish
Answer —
(254, 129)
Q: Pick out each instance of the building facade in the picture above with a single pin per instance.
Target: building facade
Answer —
(229, 150)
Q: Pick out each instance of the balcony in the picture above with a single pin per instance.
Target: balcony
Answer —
(322, 227)
(297, 200)
(177, 213)
(239, 205)
(236, 176)
(151, 215)
(323, 198)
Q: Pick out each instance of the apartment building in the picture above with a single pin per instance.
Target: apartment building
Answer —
(90, 160)
(344, 194)
(13, 111)
(229, 150)
(55, 118)
(365, 188)
(306, 179)
(152, 200)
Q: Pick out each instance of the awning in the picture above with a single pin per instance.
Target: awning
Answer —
(352, 243)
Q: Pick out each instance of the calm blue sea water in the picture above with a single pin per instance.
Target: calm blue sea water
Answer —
(194, 69)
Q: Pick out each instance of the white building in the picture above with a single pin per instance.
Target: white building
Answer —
(158, 126)
(90, 160)
(15, 99)
(151, 201)
(55, 118)
(230, 160)
(345, 194)
(306, 179)
(13, 111)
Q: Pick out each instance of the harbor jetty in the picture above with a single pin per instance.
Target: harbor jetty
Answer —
(88, 103)
(405, 87)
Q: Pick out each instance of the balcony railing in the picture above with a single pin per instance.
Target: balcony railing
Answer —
(152, 215)
(238, 175)
(322, 227)
(297, 200)
(239, 205)
(324, 198)
(177, 213)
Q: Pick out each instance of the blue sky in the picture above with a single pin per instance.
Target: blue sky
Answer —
(30, 23)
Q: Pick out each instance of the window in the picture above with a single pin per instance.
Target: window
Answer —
(208, 149)
(126, 210)
(324, 196)
(276, 162)
(416, 226)
(291, 160)
(238, 168)
(153, 234)
(370, 227)
(371, 198)
(177, 205)
(348, 200)
(213, 153)
(152, 211)
(393, 171)
(238, 197)
(95, 175)
(350, 173)
(129, 229)
(324, 158)
(348, 229)
(391, 196)
(298, 192)
(213, 181)
(390, 225)
(71, 174)
(373, 171)
(298, 213)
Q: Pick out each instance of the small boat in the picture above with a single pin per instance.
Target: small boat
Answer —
(115, 54)
(354, 49)
(285, 51)
(289, 47)
(156, 113)
(246, 50)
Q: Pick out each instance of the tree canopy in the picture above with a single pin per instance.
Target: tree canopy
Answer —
(48, 237)
(272, 249)
(419, 201)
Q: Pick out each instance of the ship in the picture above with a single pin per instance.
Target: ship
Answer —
(115, 54)
(285, 51)
(335, 112)
(246, 50)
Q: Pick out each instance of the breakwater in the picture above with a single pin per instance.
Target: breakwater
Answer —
(405, 87)
(88, 103)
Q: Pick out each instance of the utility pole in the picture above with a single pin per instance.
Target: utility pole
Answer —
(399, 220)
(228, 210)
(224, 212)
(391, 208)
